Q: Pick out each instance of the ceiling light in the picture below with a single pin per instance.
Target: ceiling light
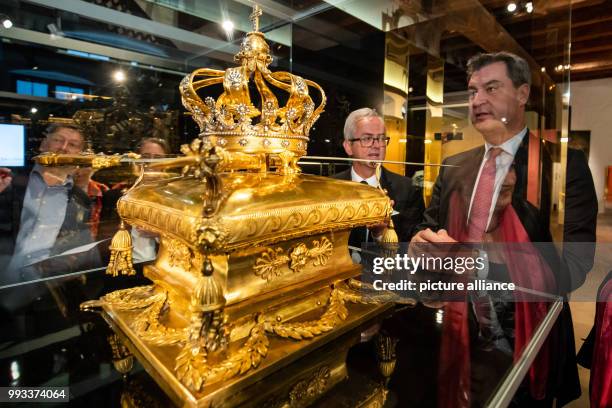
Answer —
(119, 76)
(543, 69)
(529, 7)
(6, 22)
(34, 109)
(228, 25)
(511, 7)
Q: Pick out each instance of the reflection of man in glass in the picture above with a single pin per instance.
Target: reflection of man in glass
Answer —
(470, 204)
(49, 213)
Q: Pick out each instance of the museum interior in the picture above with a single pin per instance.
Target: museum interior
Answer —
(174, 233)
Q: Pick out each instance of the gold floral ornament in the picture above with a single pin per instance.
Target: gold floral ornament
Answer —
(233, 122)
(271, 262)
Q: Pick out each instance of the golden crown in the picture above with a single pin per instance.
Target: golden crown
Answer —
(230, 121)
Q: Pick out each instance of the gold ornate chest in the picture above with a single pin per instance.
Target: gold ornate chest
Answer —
(253, 269)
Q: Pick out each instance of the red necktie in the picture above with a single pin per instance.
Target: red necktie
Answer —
(479, 216)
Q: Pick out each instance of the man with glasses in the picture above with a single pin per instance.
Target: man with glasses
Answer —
(365, 138)
(487, 197)
(46, 212)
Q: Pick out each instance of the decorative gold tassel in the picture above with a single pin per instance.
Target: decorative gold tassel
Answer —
(389, 241)
(208, 294)
(390, 236)
(121, 254)
(207, 317)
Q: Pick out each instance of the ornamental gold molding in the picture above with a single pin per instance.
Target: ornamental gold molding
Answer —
(231, 232)
(271, 263)
(192, 367)
(156, 218)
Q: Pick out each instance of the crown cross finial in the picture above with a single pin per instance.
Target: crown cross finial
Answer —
(254, 17)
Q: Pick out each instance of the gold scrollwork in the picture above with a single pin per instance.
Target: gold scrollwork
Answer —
(271, 262)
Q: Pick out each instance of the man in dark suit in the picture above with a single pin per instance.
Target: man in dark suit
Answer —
(365, 138)
(465, 207)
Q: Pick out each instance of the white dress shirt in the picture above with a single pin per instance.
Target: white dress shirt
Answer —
(372, 180)
(502, 165)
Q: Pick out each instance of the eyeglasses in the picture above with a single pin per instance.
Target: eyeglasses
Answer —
(368, 141)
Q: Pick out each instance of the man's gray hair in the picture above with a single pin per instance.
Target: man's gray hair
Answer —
(518, 69)
(354, 117)
(55, 127)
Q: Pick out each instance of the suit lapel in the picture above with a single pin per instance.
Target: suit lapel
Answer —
(385, 183)
(471, 173)
(528, 214)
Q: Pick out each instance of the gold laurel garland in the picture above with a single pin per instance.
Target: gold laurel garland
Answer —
(133, 298)
(193, 371)
(149, 329)
(146, 324)
(335, 313)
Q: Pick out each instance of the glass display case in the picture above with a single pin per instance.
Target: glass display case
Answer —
(395, 359)
(119, 74)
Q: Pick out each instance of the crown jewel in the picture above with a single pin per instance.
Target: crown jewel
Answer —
(234, 122)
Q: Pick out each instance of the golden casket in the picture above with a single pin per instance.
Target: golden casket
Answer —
(253, 270)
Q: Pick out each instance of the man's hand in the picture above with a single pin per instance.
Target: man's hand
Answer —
(82, 176)
(428, 236)
(6, 178)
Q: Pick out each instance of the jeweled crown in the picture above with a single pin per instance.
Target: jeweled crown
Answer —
(233, 122)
